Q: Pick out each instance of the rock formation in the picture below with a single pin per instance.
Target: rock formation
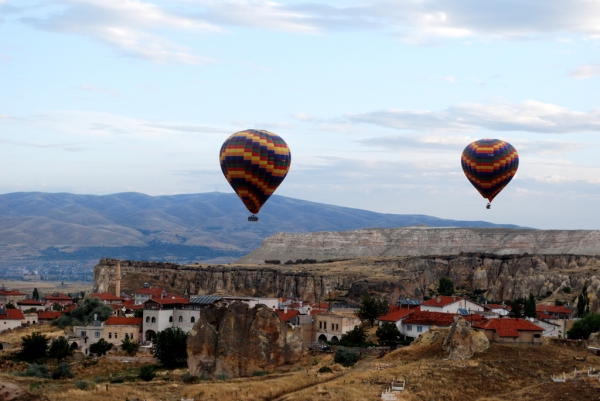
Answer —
(462, 342)
(12, 392)
(238, 341)
(423, 241)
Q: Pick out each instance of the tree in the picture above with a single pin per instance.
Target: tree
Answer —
(10, 305)
(516, 309)
(129, 346)
(35, 295)
(60, 349)
(446, 286)
(582, 329)
(347, 357)
(583, 303)
(354, 338)
(62, 370)
(388, 334)
(170, 347)
(371, 308)
(83, 315)
(57, 307)
(529, 310)
(34, 346)
(100, 347)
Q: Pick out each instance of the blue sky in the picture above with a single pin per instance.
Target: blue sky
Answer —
(376, 99)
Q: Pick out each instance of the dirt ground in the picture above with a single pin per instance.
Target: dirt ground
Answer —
(47, 287)
(504, 372)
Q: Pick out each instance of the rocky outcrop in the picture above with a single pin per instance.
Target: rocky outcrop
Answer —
(423, 241)
(12, 392)
(462, 342)
(238, 341)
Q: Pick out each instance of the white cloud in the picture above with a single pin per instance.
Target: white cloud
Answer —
(528, 116)
(129, 26)
(97, 89)
(585, 71)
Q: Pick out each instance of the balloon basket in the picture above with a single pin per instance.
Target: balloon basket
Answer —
(488, 206)
(253, 218)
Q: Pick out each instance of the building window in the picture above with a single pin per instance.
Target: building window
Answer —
(409, 327)
(126, 336)
(170, 319)
(193, 319)
(180, 319)
(419, 329)
(325, 325)
(109, 335)
(115, 335)
(97, 334)
(320, 325)
(153, 320)
(83, 334)
(147, 319)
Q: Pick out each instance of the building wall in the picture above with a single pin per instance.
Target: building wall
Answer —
(331, 326)
(414, 330)
(93, 334)
(11, 298)
(115, 334)
(6, 324)
(162, 319)
(453, 307)
(30, 318)
(27, 307)
(271, 303)
(186, 316)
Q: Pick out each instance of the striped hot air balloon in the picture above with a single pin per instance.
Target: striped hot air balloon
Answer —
(254, 163)
(490, 164)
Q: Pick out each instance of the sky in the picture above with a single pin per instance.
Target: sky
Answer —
(375, 98)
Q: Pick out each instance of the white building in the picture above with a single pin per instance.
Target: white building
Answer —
(28, 304)
(448, 304)
(330, 326)
(10, 318)
(84, 336)
(498, 309)
(271, 303)
(161, 314)
(420, 322)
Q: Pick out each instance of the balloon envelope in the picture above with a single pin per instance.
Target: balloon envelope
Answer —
(254, 163)
(490, 164)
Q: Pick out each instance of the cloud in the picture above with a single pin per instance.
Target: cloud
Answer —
(69, 147)
(187, 128)
(528, 116)
(585, 71)
(127, 25)
(97, 89)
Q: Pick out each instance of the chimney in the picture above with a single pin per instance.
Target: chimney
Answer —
(118, 279)
(285, 309)
(300, 304)
(439, 299)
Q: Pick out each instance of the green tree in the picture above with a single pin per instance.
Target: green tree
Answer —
(446, 286)
(35, 295)
(170, 347)
(60, 349)
(583, 303)
(347, 357)
(62, 370)
(10, 305)
(100, 347)
(516, 309)
(34, 346)
(129, 346)
(582, 329)
(388, 334)
(354, 338)
(57, 307)
(83, 315)
(147, 373)
(371, 308)
(529, 310)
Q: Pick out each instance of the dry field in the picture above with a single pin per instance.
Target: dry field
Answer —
(504, 372)
(47, 287)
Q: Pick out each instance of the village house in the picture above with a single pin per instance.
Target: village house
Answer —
(116, 329)
(141, 295)
(329, 326)
(450, 304)
(553, 312)
(84, 336)
(57, 298)
(107, 298)
(511, 330)
(30, 319)
(46, 316)
(10, 318)
(8, 296)
(29, 304)
(162, 313)
(496, 309)
(271, 303)
(396, 316)
(420, 322)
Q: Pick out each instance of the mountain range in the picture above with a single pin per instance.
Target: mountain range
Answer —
(181, 228)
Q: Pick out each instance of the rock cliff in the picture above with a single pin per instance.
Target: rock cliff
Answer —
(238, 341)
(500, 277)
(423, 241)
(462, 342)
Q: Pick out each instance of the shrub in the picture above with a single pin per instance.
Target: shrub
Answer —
(325, 369)
(62, 370)
(100, 347)
(582, 329)
(354, 338)
(260, 373)
(147, 373)
(130, 346)
(189, 379)
(222, 376)
(566, 289)
(83, 385)
(35, 370)
(34, 346)
(346, 357)
(170, 347)
(60, 349)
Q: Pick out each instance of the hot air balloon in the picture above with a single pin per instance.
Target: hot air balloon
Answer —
(490, 164)
(254, 163)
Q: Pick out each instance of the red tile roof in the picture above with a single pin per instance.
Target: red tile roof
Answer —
(105, 296)
(430, 318)
(58, 297)
(494, 306)
(69, 308)
(30, 302)
(508, 327)
(12, 314)
(443, 301)
(474, 318)
(553, 309)
(10, 292)
(49, 315)
(542, 315)
(396, 315)
(286, 317)
(123, 321)
(149, 291)
(169, 300)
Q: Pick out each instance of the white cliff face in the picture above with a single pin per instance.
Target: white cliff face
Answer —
(423, 241)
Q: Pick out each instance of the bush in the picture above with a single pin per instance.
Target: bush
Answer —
(83, 385)
(582, 329)
(147, 373)
(100, 347)
(170, 347)
(34, 346)
(222, 377)
(35, 370)
(61, 371)
(354, 338)
(325, 369)
(60, 349)
(346, 357)
(566, 290)
(260, 373)
(130, 346)
(189, 379)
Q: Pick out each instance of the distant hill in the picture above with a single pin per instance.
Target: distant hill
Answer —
(181, 228)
